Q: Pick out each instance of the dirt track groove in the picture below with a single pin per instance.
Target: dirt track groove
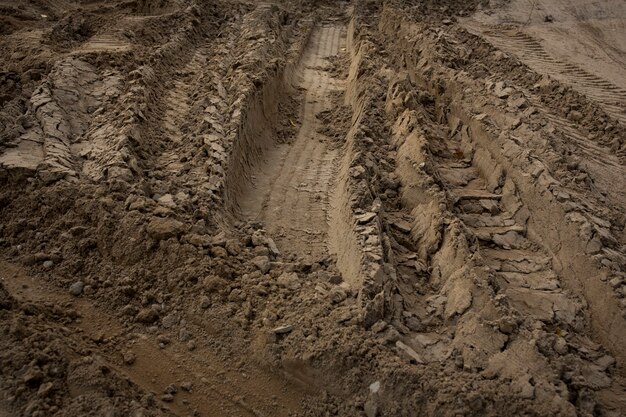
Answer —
(290, 193)
(609, 95)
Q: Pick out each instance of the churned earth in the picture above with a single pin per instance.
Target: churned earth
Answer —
(312, 208)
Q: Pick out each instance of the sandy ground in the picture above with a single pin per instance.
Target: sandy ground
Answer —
(367, 208)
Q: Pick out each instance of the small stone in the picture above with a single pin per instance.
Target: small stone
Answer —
(233, 247)
(283, 329)
(258, 238)
(184, 335)
(379, 326)
(593, 246)
(507, 325)
(214, 284)
(261, 251)
(162, 229)
(272, 247)
(129, 358)
(391, 335)
(170, 320)
(345, 314)
(219, 239)
(205, 302)
(337, 295)
(218, 252)
(147, 315)
(402, 226)
(615, 282)
(167, 200)
(262, 263)
(168, 398)
(48, 264)
(45, 389)
(201, 241)
(414, 324)
(76, 288)
(171, 389)
(162, 339)
(560, 346)
(409, 352)
(575, 116)
(365, 218)
(289, 280)
(33, 376)
(186, 386)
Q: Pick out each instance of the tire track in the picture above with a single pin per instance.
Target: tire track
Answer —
(219, 388)
(529, 50)
(177, 107)
(290, 191)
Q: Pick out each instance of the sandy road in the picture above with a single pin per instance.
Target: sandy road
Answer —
(290, 190)
(582, 46)
(218, 387)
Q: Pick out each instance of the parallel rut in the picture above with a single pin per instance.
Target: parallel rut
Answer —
(529, 50)
(177, 104)
(498, 219)
(290, 192)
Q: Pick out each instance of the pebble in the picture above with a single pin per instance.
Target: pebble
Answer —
(337, 295)
(129, 358)
(366, 218)
(409, 352)
(76, 288)
(272, 247)
(283, 329)
(262, 263)
(147, 315)
(205, 302)
(289, 280)
(48, 264)
(162, 339)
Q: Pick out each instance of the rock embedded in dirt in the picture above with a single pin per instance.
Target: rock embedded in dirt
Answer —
(219, 252)
(366, 218)
(408, 352)
(233, 247)
(76, 288)
(195, 239)
(205, 302)
(129, 358)
(167, 200)
(283, 329)
(262, 263)
(164, 228)
(272, 247)
(147, 316)
(289, 280)
(336, 295)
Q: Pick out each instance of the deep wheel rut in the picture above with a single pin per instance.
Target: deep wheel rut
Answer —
(290, 192)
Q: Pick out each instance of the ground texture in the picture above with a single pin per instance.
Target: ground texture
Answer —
(312, 208)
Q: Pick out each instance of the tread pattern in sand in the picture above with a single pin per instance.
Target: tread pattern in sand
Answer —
(496, 216)
(291, 190)
(530, 51)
